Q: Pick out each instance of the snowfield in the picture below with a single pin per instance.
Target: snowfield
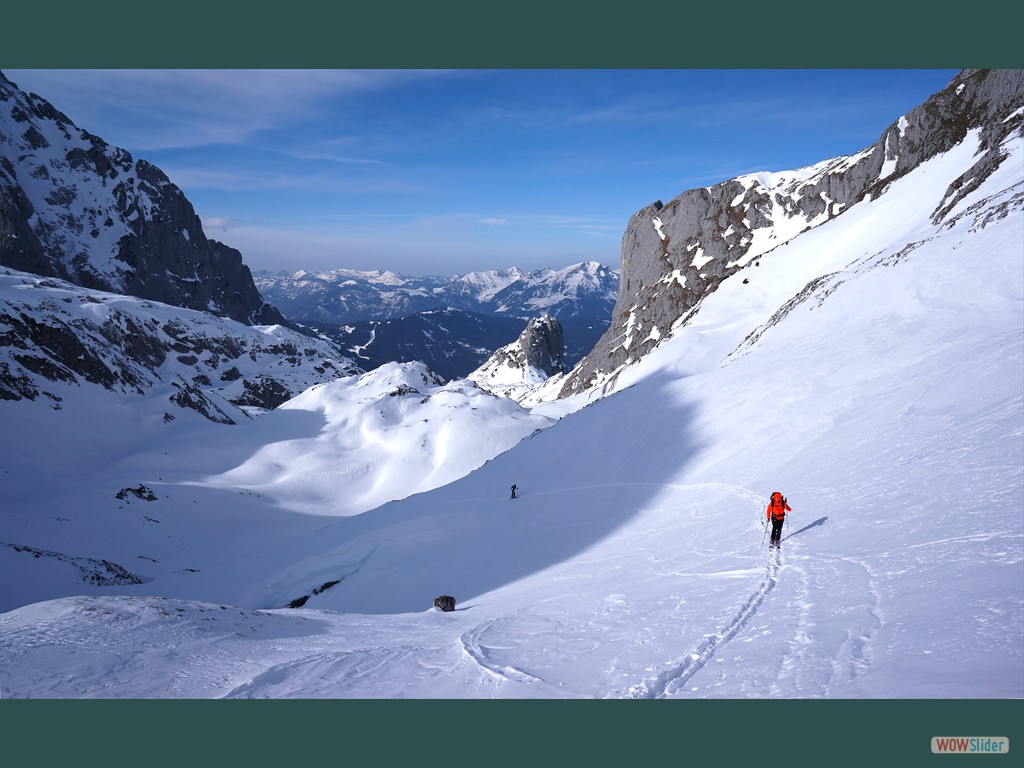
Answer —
(871, 370)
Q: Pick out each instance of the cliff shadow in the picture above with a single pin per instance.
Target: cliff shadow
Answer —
(578, 482)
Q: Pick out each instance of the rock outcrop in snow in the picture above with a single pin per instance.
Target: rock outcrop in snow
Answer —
(75, 208)
(675, 255)
(536, 356)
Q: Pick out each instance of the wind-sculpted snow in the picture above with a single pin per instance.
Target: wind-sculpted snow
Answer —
(395, 431)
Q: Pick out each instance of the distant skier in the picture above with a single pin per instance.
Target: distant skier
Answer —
(513, 490)
(776, 512)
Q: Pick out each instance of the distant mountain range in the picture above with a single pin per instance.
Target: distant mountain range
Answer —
(452, 324)
(451, 342)
(341, 296)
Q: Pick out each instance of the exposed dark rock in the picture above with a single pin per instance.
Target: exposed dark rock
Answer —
(445, 603)
(515, 369)
(139, 492)
(301, 601)
(263, 392)
(136, 234)
(188, 396)
(101, 573)
(55, 331)
(542, 345)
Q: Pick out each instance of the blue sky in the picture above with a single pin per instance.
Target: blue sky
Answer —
(444, 172)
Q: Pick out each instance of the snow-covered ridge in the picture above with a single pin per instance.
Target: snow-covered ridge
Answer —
(704, 236)
(56, 337)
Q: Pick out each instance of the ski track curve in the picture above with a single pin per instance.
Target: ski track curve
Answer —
(476, 652)
(672, 680)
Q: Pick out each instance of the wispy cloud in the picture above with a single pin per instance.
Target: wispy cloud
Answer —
(302, 182)
(218, 224)
(173, 109)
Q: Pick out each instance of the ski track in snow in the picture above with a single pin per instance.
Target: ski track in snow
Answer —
(672, 680)
(478, 653)
(832, 645)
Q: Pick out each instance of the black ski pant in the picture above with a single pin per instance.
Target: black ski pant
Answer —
(777, 523)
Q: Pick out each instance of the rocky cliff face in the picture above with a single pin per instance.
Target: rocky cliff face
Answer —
(533, 358)
(74, 208)
(676, 254)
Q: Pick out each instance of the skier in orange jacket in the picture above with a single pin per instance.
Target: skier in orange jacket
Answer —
(776, 512)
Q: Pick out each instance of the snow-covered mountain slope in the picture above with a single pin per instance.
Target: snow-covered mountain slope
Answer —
(870, 369)
(75, 208)
(675, 255)
(387, 434)
(478, 287)
(56, 338)
(338, 449)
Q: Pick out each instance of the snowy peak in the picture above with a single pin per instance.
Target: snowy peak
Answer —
(675, 255)
(587, 289)
(479, 286)
(74, 208)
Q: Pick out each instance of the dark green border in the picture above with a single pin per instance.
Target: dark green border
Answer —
(528, 33)
(497, 733)
(463, 34)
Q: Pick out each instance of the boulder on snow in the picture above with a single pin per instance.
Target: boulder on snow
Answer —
(445, 603)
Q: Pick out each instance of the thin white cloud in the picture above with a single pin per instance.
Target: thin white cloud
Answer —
(218, 224)
(171, 109)
(318, 181)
